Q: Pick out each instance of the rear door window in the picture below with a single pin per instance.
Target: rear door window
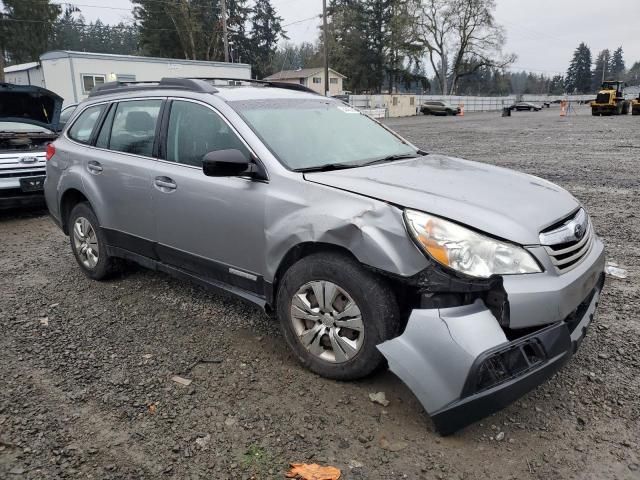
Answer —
(82, 128)
(134, 127)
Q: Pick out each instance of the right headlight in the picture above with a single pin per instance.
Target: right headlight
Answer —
(465, 250)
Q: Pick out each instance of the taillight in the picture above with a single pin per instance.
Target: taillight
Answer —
(51, 151)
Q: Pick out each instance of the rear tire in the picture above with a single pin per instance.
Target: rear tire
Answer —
(89, 245)
(317, 331)
(625, 108)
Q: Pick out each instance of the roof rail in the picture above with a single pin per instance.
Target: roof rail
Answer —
(266, 83)
(193, 84)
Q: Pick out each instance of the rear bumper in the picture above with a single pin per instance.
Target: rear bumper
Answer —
(462, 367)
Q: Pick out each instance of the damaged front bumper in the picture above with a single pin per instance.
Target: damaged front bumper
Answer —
(462, 365)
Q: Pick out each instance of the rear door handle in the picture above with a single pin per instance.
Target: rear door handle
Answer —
(94, 167)
(165, 184)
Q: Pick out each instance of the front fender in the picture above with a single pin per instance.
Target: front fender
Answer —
(372, 230)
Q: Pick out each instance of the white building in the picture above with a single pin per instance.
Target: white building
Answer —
(312, 78)
(72, 75)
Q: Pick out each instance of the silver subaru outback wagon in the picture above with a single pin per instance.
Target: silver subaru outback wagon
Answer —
(473, 283)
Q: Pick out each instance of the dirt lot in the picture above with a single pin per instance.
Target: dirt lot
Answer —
(86, 390)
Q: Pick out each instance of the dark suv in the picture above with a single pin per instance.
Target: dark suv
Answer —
(28, 123)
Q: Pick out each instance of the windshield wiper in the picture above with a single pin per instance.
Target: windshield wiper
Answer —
(327, 167)
(391, 158)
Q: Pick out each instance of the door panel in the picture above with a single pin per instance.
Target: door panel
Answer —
(122, 179)
(208, 225)
(213, 227)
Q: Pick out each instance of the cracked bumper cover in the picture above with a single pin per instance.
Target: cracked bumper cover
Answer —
(460, 364)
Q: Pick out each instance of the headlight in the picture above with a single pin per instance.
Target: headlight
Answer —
(466, 251)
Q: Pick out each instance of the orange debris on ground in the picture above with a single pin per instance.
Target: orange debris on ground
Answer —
(313, 471)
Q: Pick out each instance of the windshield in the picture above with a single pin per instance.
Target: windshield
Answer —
(21, 127)
(307, 134)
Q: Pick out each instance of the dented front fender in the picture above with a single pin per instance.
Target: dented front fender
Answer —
(372, 230)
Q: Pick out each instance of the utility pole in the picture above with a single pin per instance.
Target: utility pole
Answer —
(225, 36)
(326, 48)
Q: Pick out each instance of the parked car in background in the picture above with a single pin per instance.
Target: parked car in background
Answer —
(29, 118)
(526, 106)
(65, 115)
(436, 107)
(474, 282)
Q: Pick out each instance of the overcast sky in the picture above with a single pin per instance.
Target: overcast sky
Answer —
(542, 33)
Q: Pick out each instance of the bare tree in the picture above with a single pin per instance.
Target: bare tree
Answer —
(433, 28)
(459, 38)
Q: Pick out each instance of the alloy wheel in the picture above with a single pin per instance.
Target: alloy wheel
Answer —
(85, 242)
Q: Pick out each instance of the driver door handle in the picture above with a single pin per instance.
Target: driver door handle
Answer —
(165, 184)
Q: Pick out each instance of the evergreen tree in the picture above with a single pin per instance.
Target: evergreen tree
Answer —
(349, 50)
(633, 75)
(601, 70)
(27, 29)
(158, 35)
(372, 41)
(238, 14)
(578, 77)
(68, 33)
(266, 31)
(71, 32)
(556, 85)
(293, 57)
(617, 67)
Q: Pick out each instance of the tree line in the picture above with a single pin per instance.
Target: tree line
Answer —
(190, 29)
(380, 45)
(585, 74)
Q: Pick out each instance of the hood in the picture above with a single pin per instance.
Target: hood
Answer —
(506, 204)
(29, 104)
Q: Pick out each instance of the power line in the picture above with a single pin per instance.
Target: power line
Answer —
(301, 21)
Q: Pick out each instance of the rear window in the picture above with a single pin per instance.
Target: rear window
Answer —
(82, 128)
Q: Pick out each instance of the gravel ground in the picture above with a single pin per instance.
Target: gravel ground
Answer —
(86, 389)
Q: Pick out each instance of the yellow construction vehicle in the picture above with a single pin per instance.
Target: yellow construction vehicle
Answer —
(610, 100)
(635, 106)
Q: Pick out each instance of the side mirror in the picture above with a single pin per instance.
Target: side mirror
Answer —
(226, 163)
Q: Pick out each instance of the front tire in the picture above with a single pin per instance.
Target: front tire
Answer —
(333, 313)
(88, 243)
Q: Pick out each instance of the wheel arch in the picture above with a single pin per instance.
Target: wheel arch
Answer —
(297, 253)
(69, 199)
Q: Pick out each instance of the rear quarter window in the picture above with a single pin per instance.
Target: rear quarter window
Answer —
(83, 127)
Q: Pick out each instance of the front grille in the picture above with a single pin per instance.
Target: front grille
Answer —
(563, 244)
(21, 174)
(603, 98)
